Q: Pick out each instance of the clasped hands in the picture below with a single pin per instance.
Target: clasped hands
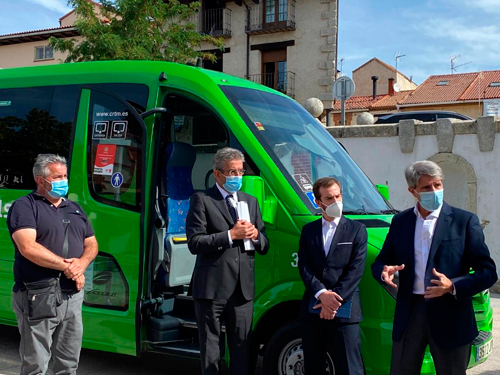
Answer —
(442, 285)
(244, 229)
(330, 303)
(74, 271)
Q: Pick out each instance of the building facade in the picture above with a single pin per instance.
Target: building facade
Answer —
(285, 44)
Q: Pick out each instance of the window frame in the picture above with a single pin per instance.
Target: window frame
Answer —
(45, 58)
(89, 144)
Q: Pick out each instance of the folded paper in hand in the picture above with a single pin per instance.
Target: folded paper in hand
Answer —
(244, 214)
(344, 310)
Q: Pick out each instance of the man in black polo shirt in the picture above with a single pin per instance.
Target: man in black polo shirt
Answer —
(36, 226)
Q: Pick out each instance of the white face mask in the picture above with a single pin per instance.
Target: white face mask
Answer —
(334, 209)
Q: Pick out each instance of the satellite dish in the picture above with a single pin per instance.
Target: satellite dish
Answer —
(396, 87)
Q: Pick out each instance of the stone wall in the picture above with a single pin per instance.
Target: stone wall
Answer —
(467, 151)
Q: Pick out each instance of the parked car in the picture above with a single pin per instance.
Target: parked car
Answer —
(425, 116)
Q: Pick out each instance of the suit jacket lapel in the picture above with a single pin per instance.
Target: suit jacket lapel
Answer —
(318, 240)
(220, 203)
(409, 242)
(339, 232)
(443, 222)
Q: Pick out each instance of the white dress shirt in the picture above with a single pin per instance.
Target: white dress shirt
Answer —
(328, 228)
(424, 232)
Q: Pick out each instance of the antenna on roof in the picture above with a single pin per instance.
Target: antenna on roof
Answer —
(452, 63)
(397, 56)
(341, 64)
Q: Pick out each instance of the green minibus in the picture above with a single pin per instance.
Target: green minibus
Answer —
(140, 138)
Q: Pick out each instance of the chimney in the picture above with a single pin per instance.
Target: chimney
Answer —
(374, 79)
(390, 90)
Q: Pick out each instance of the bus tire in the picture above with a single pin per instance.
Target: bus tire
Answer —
(284, 355)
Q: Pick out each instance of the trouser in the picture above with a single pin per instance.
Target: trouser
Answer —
(344, 339)
(236, 312)
(50, 344)
(408, 353)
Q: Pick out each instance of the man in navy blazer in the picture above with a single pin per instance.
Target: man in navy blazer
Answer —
(433, 247)
(332, 257)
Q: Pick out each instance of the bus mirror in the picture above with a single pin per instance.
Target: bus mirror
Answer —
(384, 191)
(153, 111)
(254, 185)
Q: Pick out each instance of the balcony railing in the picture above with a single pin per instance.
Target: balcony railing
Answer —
(283, 82)
(278, 18)
(215, 22)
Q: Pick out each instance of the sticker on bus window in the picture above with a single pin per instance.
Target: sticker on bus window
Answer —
(310, 195)
(100, 130)
(259, 125)
(304, 182)
(119, 129)
(104, 159)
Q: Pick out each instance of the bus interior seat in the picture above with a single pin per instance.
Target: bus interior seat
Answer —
(180, 158)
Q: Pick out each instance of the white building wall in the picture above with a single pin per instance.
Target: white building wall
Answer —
(382, 160)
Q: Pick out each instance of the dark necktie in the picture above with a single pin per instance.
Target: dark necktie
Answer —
(230, 206)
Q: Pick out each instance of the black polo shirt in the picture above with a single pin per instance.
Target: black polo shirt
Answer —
(36, 212)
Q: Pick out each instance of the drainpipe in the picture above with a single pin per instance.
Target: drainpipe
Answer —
(374, 79)
(247, 74)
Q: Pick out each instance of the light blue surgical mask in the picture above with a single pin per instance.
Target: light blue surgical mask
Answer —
(233, 183)
(58, 189)
(431, 200)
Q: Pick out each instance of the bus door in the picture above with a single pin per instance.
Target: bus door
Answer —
(191, 134)
(107, 177)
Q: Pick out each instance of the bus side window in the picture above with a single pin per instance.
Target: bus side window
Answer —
(115, 162)
(33, 121)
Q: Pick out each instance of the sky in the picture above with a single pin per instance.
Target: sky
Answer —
(429, 33)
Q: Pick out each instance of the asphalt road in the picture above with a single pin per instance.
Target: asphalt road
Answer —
(95, 362)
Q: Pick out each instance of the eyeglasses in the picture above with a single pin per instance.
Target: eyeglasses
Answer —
(234, 172)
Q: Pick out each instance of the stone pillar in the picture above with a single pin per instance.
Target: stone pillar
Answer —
(328, 33)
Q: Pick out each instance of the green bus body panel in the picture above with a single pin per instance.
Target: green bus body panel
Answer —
(126, 235)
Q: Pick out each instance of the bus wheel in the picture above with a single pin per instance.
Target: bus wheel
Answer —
(284, 354)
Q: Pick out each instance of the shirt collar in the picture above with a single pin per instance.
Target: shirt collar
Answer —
(335, 222)
(433, 215)
(225, 193)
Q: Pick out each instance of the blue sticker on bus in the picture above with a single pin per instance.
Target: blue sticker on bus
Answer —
(310, 195)
(117, 179)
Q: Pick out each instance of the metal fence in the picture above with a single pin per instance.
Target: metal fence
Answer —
(283, 82)
(215, 22)
(278, 17)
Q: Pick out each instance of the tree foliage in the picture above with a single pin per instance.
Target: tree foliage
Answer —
(135, 30)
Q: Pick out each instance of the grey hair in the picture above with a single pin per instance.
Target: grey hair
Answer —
(41, 167)
(226, 154)
(422, 168)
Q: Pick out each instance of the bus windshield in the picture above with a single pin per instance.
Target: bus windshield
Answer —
(304, 151)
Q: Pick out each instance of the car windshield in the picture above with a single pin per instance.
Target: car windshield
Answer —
(303, 150)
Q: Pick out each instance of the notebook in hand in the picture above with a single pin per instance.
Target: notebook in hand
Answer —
(344, 310)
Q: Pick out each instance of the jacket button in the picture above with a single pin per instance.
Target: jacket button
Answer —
(235, 259)
(220, 248)
(325, 269)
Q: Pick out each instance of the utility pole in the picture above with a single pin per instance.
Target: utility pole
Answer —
(397, 57)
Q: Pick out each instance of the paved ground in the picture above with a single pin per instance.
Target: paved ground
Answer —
(95, 362)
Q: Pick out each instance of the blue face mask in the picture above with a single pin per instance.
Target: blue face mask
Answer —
(233, 183)
(431, 200)
(59, 188)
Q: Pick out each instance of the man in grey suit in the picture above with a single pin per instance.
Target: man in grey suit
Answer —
(223, 278)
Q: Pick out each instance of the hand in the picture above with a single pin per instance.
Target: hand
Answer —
(75, 269)
(443, 286)
(243, 229)
(388, 274)
(326, 313)
(330, 300)
(80, 282)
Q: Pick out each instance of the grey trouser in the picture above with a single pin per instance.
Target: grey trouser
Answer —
(50, 344)
(408, 353)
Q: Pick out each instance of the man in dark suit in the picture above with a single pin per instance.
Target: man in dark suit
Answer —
(433, 247)
(223, 278)
(332, 256)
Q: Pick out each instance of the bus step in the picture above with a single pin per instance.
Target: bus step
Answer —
(186, 349)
